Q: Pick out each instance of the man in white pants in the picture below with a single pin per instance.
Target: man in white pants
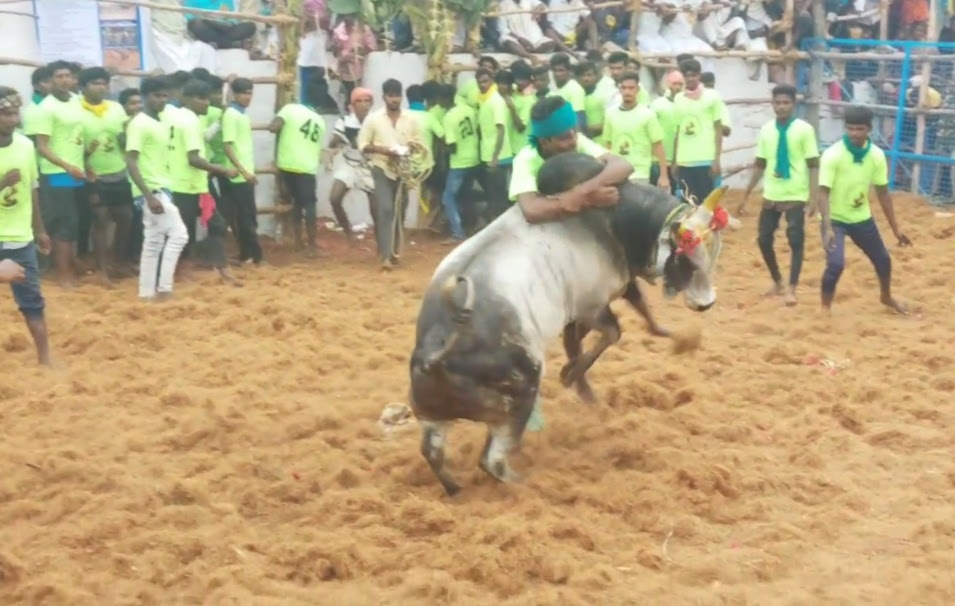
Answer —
(164, 233)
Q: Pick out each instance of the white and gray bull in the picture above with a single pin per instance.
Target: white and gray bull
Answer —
(497, 300)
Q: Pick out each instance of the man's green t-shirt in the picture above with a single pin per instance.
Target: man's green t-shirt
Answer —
(801, 142)
(237, 130)
(300, 140)
(523, 104)
(187, 137)
(215, 149)
(849, 182)
(494, 112)
(430, 129)
(696, 132)
(666, 116)
(16, 201)
(438, 113)
(528, 163)
(152, 139)
(469, 93)
(28, 118)
(631, 134)
(460, 130)
(595, 109)
(62, 122)
(573, 93)
(103, 132)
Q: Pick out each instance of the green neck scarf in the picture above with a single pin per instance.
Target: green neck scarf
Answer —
(782, 150)
(858, 153)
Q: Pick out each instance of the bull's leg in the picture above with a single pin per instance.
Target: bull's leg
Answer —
(504, 437)
(433, 436)
(609, 329)
(635, 298)
(574, 334)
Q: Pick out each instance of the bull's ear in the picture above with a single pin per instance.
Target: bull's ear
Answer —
(713, 200)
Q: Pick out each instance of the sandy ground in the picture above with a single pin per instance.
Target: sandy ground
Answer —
(223, 449)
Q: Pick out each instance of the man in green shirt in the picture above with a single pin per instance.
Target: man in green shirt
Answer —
(58, 131)
(239, 197)
(107, 191)
(21, 225)
(665, 111)
(461, 137)
(698, 144)
(568, 88)
(432, 135)
(788, 156)
(520, 101)
(554, 131)
(189, 170)
(633, 132)
(848, 169)
(147, 152)
(496, 156)
(301, 137)
(42, 80)
(595, 101)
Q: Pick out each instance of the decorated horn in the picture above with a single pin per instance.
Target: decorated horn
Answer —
(713, 200)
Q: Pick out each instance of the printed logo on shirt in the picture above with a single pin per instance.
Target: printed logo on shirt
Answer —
(9, 197)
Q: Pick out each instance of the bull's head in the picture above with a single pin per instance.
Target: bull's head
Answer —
(688, 252)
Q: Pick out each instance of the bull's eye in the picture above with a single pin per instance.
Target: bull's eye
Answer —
(678, 271)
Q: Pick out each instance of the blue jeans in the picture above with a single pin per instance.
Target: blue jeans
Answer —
(866, 236)
(27, 293)
(458, 178)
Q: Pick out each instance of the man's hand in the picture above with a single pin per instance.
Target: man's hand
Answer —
(664, 182)
(230, 173)
(76, 173)
(11, 271)
(250, 178)
(43, 243)
(715, 169)
(10, 179)
(155, 206)
(828, 238)
(903, 239)
(741, 209)
(493, 164)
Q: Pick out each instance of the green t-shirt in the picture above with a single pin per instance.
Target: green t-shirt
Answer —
(469, 93)
(494, 112)
(62, 122)
(573, 93)
(300, 140)
(666, 116)
(460, 129)
(849, 182)
(529, 162)
(430, 129)
(237, 130)
(16, 201)
(187, 137)
(215, 149)
(438, 113)
(595, 108)
(631, 134)
(606, 87)
(28, 118)
(108, 158)
(152, 139)
(801, 141)
(523, 104)
(696, 133)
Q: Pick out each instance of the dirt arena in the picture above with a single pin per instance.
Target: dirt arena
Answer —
(223, 448)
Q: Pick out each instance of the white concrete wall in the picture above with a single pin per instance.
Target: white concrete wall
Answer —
(18, 40)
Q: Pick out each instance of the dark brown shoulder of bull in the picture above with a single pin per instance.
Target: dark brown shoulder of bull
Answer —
(636, 220)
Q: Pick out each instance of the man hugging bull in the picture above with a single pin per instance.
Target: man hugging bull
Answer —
(544, 268)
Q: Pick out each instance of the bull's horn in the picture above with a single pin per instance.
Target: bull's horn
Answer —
(713, 200)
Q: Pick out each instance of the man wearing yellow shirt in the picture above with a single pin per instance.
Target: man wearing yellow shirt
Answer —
(632, 131)
(847, 171)
(493, 121)
(698, 144)
(568, 88)
(108, 191)
(788, 156)
(665, 111)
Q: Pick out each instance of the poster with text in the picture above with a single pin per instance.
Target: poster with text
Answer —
(122, 36)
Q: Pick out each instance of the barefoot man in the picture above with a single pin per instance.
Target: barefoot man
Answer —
(787, 154)
(847, 171)
(21, 225)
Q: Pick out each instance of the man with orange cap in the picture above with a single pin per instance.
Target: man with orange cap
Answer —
(349, 168)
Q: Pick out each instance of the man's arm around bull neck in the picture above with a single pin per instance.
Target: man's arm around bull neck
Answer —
(597, 192)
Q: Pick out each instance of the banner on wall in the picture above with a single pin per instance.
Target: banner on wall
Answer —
(64, 32)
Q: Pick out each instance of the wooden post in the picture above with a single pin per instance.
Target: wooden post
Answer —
(635, 7)
(789, 17)
(285, 91)
(816, 89)
(926, 75)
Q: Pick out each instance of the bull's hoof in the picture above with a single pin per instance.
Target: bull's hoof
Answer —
(501, 472)
(585, 393)
(568, 376)
(451, 488)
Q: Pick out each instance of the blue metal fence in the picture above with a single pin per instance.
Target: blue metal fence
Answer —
(886, 84)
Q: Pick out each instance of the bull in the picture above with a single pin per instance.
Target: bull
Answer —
(497, 300)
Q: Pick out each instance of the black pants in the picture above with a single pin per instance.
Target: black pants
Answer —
(219, 33)
(494, 183)
(240, 213)
(696, 182)
(188, 205)
(866, 236)
(769, 219)
(655, 177)
(301, 188)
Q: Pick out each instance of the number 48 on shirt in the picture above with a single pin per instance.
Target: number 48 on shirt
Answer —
(312, 131)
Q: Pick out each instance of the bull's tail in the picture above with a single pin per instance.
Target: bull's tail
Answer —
(457, 294)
